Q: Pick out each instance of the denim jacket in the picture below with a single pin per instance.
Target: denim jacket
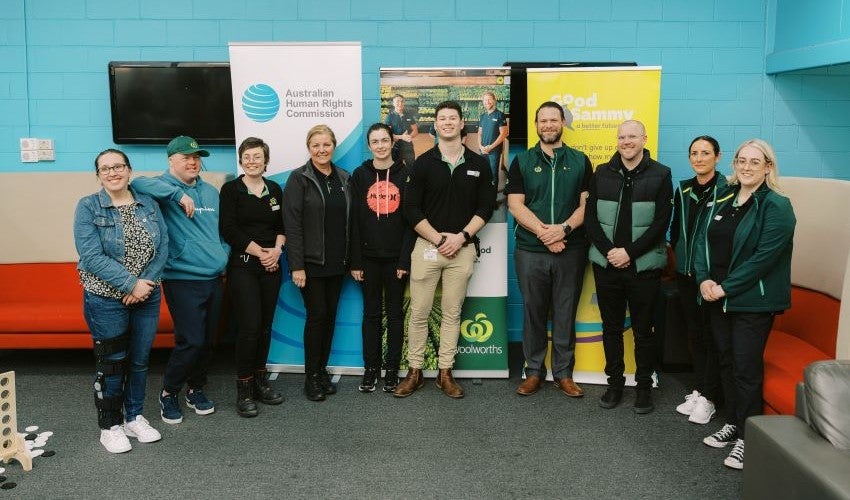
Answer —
(99, 238)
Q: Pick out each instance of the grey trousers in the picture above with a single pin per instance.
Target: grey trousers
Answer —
(550, 282)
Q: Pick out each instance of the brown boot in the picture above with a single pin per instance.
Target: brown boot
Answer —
(569, 387)
(529, 386)
(411, 382)
(446, 383)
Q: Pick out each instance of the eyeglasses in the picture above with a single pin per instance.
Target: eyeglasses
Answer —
(253, 159)
(118, 168)
(752, 162)
(631, 137)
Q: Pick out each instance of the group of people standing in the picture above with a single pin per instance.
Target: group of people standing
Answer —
(396, 218)
(176, 235)
(732, 241)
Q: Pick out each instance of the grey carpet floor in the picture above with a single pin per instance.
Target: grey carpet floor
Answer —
(491, 444)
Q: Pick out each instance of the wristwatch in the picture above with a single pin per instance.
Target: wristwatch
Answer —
(567, 229)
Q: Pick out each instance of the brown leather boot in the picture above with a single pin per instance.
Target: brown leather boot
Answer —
(529, 386)
(411, 382)
(446, 383)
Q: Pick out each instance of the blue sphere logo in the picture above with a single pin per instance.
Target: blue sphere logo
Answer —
(260, 102)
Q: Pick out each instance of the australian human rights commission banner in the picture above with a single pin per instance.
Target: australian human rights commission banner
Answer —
(483, 341)
(596, 101)
(280, 91)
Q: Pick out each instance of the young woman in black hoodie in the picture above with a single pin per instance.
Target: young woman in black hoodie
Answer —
(381, 242)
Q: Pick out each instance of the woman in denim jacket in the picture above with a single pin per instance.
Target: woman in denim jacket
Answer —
(123, 244)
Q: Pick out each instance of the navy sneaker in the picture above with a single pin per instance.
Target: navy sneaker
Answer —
(170, 409)
(198, 401)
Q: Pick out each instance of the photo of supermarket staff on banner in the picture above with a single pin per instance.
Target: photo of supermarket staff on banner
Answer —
(408, 100)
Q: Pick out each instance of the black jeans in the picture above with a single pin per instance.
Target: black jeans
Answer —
(616, 289)
(253, 293)
(382, 290)
(321, 296)
(703, 348)
(194, 306)
(741, 339)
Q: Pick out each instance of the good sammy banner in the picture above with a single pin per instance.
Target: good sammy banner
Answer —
(595, 102)
(279, 93)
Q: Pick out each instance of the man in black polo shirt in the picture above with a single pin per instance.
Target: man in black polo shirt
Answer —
(403, 124)
(449, 197)
(626, 216)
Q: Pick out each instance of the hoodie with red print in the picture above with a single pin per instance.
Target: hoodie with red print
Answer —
(378, 228)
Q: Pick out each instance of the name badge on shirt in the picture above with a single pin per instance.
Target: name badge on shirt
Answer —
(709, 204)
(430, 254)
(474, 173)
(718, 217)
(275, 208)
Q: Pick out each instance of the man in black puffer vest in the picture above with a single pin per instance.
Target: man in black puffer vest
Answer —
(627, 214)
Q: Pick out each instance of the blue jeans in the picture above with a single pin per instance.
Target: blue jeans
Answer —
(108, 318)
(493, 158)
(194, 306)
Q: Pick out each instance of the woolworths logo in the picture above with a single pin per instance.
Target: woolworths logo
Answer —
(478, 330)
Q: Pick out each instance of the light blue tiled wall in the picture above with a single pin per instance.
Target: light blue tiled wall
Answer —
(53, 80)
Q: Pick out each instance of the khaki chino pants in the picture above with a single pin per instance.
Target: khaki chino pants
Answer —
(425, 274)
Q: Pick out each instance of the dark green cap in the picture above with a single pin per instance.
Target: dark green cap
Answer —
(184, 144)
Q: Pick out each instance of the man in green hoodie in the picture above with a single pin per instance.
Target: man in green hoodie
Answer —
(546, 188)
(192, 280)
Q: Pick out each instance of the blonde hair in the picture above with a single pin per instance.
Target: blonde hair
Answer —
(320, 129)
(772, 177)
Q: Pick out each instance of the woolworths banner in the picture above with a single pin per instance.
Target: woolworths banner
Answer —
(482, 346)
(596, 101)
(279, 92)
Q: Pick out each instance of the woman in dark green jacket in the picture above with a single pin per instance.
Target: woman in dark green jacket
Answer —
(743, 266)
(693, 199)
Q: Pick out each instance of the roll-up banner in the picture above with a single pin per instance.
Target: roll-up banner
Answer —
(595, 102)
(482, 346)
(281, 90)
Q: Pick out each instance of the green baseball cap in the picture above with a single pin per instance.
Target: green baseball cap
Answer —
(184, 144)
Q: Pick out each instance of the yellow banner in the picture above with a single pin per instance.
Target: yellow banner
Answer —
(595, 102)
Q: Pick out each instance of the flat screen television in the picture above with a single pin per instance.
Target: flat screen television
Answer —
(519, 92)
(153, 102)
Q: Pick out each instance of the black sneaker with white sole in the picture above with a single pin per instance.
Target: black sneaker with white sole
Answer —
(722, 438)
(370, 378)
(735, 460)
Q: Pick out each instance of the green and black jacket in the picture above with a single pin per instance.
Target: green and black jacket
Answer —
(684, 200)
(759, 278)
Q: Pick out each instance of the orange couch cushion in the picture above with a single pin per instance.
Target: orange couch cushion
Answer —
(785, 358)
(805, 333)
(48, 298)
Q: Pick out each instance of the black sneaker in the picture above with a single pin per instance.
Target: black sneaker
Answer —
(643, 401)
(722, 438)
(611, 398)
(390, 380)
(370, 377)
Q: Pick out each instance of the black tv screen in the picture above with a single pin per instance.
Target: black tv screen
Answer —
(153, 102)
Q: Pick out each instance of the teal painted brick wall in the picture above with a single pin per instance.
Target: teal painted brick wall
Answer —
(53, 82)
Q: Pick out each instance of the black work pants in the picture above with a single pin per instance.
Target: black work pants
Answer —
(253, 293)
(382, 290)
(321, 296)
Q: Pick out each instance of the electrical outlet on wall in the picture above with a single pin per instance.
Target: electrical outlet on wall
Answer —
(45, 143)
(29, 143)
(29, 156)
(46, 155)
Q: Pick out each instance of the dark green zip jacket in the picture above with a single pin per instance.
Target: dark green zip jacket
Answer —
(680, 239)
(552, 190)
(759, 277)
(652, 205)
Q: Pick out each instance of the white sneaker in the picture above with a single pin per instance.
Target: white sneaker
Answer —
(141, 429)
(688, 406)
(114, 440)
(735, 459)
(702, 412)
(725, 436)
